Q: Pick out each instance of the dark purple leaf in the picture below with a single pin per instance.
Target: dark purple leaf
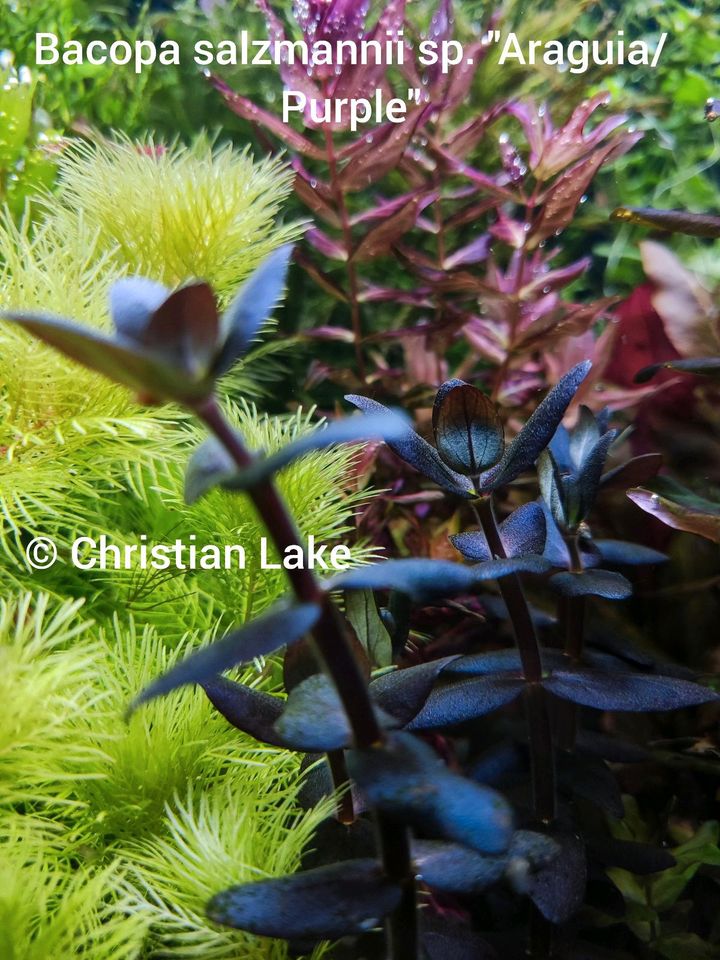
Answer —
(326, 903)
(592, 583)
(468, 430)
(619, 552)
(326, 245)
(453, 942)
(382, 154)
(185, 329)
(404, 778)
(452, 868)
(558, 889)
(249, 710)
(630, 692)
(403, 692)
(474, 252)
(592, 779)
(465, 700)
(376, 426)
(641, 859)
(268, 633)
(522, 533)
(418, 453)
(524, 450)
(609, 748)
(424, 579)
(252, 306)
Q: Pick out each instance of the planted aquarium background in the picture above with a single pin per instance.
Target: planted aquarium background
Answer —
(359, 480)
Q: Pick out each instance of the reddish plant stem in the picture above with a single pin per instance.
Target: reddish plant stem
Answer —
(332, 643)
(353, 291)
(542, 754)
(572, 622)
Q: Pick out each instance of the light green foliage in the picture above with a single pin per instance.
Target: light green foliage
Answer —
(52, 908)
(111, 828)
(174, 212)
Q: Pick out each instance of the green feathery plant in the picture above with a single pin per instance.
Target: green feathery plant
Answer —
(103, 823)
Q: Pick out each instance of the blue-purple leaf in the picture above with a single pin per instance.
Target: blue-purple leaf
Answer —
(468, 430)
(452, 868)
(621, 553)
(592, 583)
(279, 628)
(321, 904)
(558, 889)
(631, 692)
(425, 580)
(404, 778)
(524, 450)
(411, 448)
(521, 533)
(252, 306)
(132, 302)
(402, 693)
(314, 719)
(249, 710)
(465, 700)
(210, 465)
(380, 426)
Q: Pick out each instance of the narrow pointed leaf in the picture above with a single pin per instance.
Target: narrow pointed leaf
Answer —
(679, 508)
(468, 430)
(252, 306)
(257, 639)
(465, 700)
(411, 448)
(524, 450)
(362, 612)
(185, 328)
(249, 710)
(380, 426)
(321, 904)
(633, 472)
(631, 692)
(588, 478)
(592, 583)
(405, 778)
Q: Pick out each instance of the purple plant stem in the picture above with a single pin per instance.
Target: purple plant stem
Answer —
(332, 644)
(572, 621)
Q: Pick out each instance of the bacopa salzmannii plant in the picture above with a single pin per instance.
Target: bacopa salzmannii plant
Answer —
(457, 816)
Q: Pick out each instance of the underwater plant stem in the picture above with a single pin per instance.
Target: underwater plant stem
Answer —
(355, 317)
(332, 643)
(542, 754)
(572, 620)
(401, 926)
(328, 633)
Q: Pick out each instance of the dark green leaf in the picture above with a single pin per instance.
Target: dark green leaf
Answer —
(708, 366)
(323, 904)
(362, 612)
